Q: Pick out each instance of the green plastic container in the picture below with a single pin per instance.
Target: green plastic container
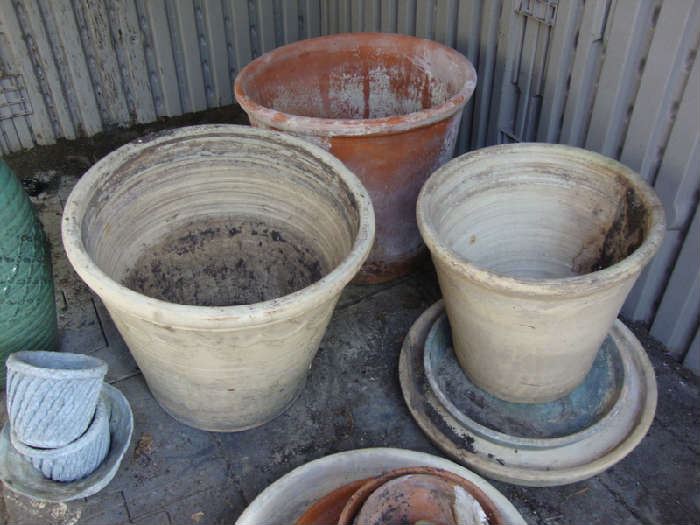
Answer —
(27, 307)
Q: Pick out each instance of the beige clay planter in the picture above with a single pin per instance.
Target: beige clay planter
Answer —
(220, 252)
(536, 248)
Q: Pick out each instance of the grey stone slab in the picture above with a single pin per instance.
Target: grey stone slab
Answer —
(586, 502)
(179, 483)
(167, 461)
(159, 518)
(214, 505)
(678, 407)
(21, 510)
(659, 481)
(109, 507)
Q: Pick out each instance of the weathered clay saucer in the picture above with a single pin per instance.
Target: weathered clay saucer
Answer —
(287, 498)
(19, 474)
(542, 444)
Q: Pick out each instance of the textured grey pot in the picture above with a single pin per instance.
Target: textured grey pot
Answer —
(75, 460)
(19, 475)
(51, 396)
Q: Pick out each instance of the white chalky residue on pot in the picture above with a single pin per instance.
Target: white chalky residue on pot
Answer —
(350, 92)
(346, 95)
(467, 509)
(384, 101)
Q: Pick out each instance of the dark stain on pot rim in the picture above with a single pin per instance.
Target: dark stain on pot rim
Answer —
(626, 233)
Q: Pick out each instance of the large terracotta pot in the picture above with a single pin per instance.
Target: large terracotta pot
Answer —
(388, 106)
(220, 252)
(536, 248)
(27, 306)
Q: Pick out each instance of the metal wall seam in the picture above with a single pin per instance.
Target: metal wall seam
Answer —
(130, 52)
(25, 48)
(584, 75)
(488, 58)
(71, 63)
(425, 17)
(311, 18)
(626, 48)
(406, 17)
(290, 21)
(676, 319)
(238, 31)
(692, 358)
(558, 72)
(373, 13)
(678, 185)
(501, 113)
(265, 25)
(211, 34)
(160, 58)
(467, 42)
(389, 19)
(96, 39)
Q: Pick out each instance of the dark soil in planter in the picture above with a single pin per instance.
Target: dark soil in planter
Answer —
(225, 262)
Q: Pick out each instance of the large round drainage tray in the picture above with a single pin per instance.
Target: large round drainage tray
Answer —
(543, 444)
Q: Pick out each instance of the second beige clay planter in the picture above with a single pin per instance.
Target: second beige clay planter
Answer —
(220, 252)
(536, 248)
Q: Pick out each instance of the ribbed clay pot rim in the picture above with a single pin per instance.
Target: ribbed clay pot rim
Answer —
(540, 154)
(325, 127)
(100, 423)
(358, 499)
(212, 317)
(56, 365)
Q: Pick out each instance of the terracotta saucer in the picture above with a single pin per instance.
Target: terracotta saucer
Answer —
(290, 496)
(357, 503)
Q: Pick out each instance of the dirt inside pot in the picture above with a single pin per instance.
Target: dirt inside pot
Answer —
(225, 262)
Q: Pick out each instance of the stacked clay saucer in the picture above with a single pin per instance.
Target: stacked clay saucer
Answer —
(58, 420)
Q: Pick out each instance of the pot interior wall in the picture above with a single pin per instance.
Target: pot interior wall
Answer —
(212, 222)
(531, 223)
(355, 78)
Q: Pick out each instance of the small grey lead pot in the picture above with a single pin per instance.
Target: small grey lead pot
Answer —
(77, 459)
(51, 396)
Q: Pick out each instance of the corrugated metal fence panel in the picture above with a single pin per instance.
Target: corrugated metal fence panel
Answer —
(88, 65)
(616, 76)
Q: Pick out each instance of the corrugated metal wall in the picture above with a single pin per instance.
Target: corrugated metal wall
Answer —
(616, 76)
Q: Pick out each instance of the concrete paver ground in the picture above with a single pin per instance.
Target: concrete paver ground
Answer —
(173, 474)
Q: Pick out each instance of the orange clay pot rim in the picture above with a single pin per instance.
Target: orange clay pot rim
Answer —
(329, 127)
